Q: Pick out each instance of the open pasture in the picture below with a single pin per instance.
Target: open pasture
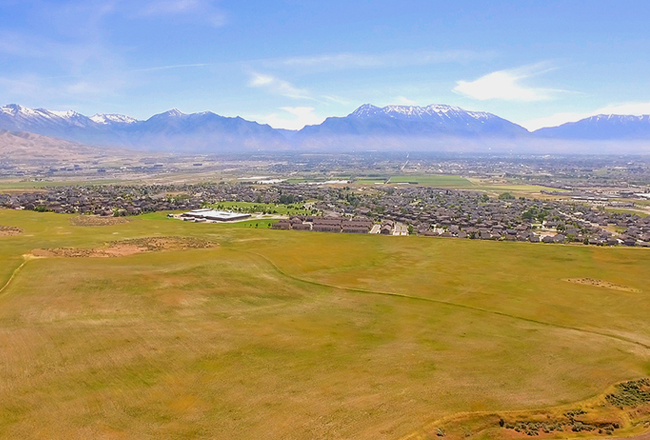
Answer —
(289, 335)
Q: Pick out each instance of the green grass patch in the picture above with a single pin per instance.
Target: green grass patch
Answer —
(26, 185)
(437, 180)
(271, 208)
(627, 211)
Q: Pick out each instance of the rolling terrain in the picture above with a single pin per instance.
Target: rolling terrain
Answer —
(289, 335)
(17, 146)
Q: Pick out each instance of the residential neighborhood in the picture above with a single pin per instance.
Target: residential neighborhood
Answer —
(384, 209)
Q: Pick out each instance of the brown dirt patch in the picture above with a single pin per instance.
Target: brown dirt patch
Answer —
(128, 247)
(9, 231)
(601, 283)
(95, 220)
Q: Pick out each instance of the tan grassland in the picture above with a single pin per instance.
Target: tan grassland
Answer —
(297, 335)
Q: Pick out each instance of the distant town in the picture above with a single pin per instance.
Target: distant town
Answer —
(376, 209)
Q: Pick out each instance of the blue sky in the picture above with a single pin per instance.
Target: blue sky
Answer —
(295, 62)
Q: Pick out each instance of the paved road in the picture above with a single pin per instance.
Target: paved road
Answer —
(400, 229)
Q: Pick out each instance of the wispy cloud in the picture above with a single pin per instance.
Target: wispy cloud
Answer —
(291, 118)
(636, 108)
(80, 68)
(175, 66)
(278, 86)
(336, 99)
(404, 101)
(71, 55)
(508, 85)
(347, 60)
(203, 10)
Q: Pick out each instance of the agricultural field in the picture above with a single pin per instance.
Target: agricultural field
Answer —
(12, 185)
(437, 180)
(156, 328)
(474, 184)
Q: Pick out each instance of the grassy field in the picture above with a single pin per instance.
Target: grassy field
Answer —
(293, 209)
(296, 335)
(9, 185)
(459, 182)
(437, 180)
(638, 212)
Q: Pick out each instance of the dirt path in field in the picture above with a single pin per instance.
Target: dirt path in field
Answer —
(128, 247)
(453, 304)
(14, 273)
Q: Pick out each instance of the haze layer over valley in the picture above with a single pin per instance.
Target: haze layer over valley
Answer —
(435, 128)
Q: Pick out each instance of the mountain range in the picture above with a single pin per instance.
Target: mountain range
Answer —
(394, 127)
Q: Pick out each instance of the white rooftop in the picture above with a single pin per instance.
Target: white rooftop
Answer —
(214, 213)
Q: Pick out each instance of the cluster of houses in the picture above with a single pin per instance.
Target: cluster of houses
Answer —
(326, 224)
(425, 211)
(110, 200)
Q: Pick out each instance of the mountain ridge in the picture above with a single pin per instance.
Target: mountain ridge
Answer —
(429, 127)
(601, 127)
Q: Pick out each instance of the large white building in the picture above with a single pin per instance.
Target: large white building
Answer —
(214, 215)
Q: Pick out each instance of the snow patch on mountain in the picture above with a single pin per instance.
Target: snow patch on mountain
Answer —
(106, 119)
(415, 112)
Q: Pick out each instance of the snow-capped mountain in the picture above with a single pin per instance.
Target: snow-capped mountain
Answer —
(169, 131)
(394, 127)
(428, 113)
(601, 127)
(17, 117)
(107, 119)
(410, 121)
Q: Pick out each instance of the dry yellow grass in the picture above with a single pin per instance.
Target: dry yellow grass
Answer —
(282, 335)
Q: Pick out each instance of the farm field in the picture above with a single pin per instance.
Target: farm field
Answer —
(12, 184)
(210, 331)
(437, 180)
(474, 184)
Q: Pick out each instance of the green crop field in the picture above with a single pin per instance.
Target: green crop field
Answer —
(7, 185)
(458, 182)
(437, 180)
(298, 335)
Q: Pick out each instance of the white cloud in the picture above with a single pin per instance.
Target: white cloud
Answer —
(172, 7)
(553, 120)
(201, 10)
(346, 60)
(292, 118)
(404, 101)
(336, 99)
(278, 86)
(638, 109)
(506, 85)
